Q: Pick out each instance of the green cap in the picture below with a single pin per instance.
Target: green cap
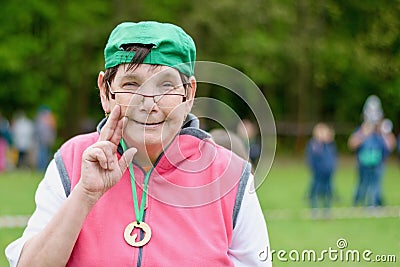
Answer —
(171, 45)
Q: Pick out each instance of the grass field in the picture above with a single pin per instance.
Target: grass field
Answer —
(282, 197)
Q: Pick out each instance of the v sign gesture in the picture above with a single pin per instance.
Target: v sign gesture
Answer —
(101, 168)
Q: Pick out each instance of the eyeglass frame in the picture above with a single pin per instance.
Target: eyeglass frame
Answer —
(184, 97)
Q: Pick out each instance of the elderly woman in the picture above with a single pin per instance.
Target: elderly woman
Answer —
(148, 188)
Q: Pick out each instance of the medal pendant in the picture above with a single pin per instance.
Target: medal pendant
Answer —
(131, 238)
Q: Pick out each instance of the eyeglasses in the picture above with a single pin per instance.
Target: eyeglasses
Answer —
(164, 98)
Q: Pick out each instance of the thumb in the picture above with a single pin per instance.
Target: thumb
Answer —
(126, 158)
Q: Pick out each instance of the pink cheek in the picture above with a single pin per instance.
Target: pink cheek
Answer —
(123, 111)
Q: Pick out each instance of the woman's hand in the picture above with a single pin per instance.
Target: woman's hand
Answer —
(101, 168)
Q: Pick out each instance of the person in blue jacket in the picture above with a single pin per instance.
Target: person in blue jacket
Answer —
(372, 141)
(322, 160)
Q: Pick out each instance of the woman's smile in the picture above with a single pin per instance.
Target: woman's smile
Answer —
(149, 124)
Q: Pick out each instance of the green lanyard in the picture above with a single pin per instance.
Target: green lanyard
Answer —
(138, 213)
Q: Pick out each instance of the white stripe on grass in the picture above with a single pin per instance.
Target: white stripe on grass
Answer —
(10, 221)
(334, 213)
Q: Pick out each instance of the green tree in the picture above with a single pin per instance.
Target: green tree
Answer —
(313, 60)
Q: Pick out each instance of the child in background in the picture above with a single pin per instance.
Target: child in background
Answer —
(373, 141)
(321, 158)
(5, 140)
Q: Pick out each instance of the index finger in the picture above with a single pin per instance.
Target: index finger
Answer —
(109, 129)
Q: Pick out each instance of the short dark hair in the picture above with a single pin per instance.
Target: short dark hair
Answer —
(141, 51)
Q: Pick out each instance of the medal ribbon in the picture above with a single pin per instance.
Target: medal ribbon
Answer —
(139, 213)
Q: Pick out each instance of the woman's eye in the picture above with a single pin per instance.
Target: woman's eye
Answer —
(130, 86)
(167, 86)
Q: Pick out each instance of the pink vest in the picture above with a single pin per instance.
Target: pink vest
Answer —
(194, 195)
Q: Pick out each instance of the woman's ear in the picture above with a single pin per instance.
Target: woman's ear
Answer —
(190, 93)
(105, 100)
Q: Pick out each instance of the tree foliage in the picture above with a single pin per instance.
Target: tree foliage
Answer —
(314, 60)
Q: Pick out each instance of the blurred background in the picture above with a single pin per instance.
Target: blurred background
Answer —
(313, 60)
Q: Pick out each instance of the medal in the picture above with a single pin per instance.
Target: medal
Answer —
(128, 236)
(131, 238)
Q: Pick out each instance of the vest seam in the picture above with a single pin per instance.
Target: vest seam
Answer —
(62, 170)
(240, 193)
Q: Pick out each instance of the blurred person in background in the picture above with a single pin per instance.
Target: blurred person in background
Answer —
(5, 141)
(372, 141)
(23, 136)
(248, 132)
(230, 141)
(321, 157)
(45, 129)
(398, 147)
